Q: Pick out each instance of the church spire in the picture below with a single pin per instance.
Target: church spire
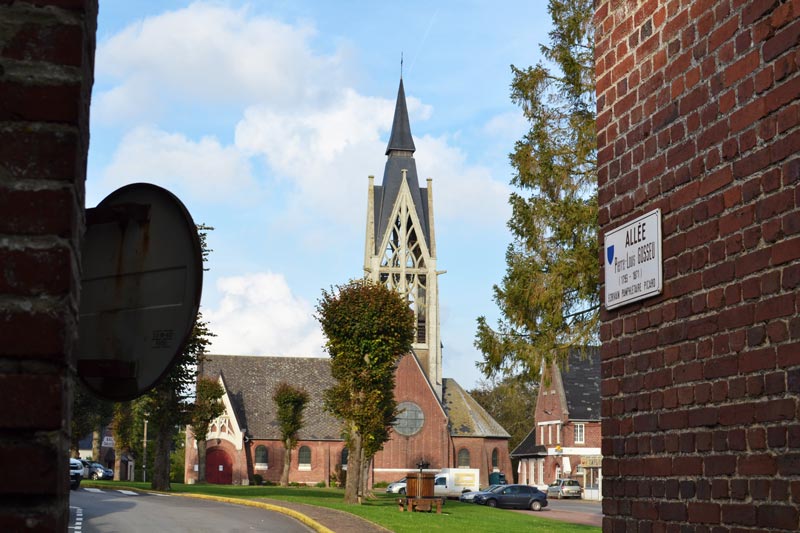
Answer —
(400, 138)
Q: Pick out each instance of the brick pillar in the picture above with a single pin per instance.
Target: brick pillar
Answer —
(698, 114)
(46, 73)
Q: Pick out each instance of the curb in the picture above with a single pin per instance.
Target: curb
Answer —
(313, 524)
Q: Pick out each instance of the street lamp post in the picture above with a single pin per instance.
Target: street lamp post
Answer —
(144, 453)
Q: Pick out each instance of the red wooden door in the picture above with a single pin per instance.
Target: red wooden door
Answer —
(219, 467)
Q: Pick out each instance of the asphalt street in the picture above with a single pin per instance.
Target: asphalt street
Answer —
(123, 511)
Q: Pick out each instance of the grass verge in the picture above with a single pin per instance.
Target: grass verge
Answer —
(456, 516)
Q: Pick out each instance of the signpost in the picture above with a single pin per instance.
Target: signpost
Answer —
(633, 261)
(140, 290)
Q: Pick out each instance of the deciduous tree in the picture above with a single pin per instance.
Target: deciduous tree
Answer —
(207, 406)
(368, 328)
(290, 402)
(549, 296)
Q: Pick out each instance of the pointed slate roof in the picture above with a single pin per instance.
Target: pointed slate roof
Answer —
(466, 416)
(400, 152)
(401, 139)
(251, 381)
(528, 446)
(582, 384)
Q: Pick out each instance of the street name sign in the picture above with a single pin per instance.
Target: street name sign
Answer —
(633, 261)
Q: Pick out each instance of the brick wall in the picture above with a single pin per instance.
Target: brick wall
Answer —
(46, 64)
(698, 114)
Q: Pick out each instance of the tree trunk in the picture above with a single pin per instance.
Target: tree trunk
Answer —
(287, 463)
(366, 489)
(353, 469)
(97, 439)
(161, 463)
(202, 447)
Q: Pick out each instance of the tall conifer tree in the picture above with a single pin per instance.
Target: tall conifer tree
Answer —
(549, 296)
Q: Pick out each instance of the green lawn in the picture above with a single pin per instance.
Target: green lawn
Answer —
(456, 516)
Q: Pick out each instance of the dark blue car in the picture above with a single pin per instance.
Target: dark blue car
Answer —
(513, 497)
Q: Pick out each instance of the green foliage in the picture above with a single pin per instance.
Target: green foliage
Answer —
(290, 402)
(549, 296)
(512, 403)
(368, 328)
(207, 405)
(89, 413)
(258, 479)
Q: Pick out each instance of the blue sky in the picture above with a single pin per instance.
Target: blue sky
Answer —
(266, 118)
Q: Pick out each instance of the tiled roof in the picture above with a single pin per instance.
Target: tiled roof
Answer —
(251, 381)
(467, 417)
(528, 446)
(582, 384)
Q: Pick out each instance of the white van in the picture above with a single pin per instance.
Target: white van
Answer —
(451, 482)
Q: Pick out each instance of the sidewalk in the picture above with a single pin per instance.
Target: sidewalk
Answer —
(337, 521)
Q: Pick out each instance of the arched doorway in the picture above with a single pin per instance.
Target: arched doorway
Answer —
(219, 467)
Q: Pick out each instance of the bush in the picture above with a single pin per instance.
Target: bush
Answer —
(320, 485)
(381, 485)
(259, 479)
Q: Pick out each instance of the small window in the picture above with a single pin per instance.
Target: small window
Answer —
(579, 434)
(442, 481)
(262, 458)
(304, 458)
(463, 458)
(494, 458)
(345, 456)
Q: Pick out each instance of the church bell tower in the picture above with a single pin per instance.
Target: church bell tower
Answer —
(400, 246)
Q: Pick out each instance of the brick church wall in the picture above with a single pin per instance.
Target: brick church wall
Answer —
(46, 73)
(698, 115)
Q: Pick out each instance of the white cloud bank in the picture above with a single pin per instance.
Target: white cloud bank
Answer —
(212, 53)
(259, 315)
(203, 170)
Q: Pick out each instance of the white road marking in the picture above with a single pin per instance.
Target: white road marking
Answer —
(128, 493)
(92, 490)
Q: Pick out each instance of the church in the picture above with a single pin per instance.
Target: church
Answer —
(439, 424)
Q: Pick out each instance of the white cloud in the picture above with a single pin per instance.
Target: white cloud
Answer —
(203, 170)
(259, 315)
(211, 53)
(462, 193)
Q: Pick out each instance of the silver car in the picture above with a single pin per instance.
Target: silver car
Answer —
(564, 488)
(398, 487)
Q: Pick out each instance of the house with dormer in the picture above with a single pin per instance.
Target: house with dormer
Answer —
(565, 441)
(438, 424)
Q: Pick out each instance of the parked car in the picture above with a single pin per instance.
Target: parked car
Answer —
(398, 487)
(513, 496)
(469, 497)
(93, 470)
(564, 488)
(75, 473)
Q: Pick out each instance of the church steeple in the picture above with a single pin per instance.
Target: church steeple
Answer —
(400, 247)
(401, 139)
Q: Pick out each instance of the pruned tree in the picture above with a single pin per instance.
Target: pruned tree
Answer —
(122, 428)
(290, 403)
(89, 415)
(368, 328)
(549, 296)
(207, 407)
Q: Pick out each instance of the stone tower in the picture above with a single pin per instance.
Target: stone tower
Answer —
(400, 248)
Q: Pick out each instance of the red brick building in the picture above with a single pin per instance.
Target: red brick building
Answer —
(439, 423)
(565, 442)
(699, 115)
(46, 75)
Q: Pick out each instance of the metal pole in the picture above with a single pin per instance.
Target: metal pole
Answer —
(144, 454)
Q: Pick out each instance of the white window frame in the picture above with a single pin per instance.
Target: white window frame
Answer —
(580, 433)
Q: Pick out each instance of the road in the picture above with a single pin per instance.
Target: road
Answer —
(572, 511)
(122, 511)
